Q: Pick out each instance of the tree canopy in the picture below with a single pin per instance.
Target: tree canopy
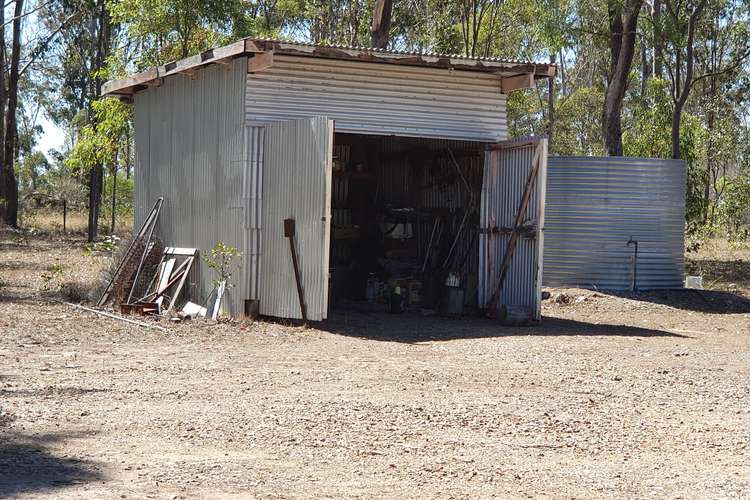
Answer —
(661, 78)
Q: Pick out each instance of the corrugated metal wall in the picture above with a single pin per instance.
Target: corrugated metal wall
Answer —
(505, 175)
(596, 204)
(296, 185)
(189, 149)
(253, 198)
(370, 98)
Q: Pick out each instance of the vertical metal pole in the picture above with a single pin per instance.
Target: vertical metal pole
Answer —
(633, 242)
(289, 233)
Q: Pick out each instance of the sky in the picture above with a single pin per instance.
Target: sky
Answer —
(52, 138)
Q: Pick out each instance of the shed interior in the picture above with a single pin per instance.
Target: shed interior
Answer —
(405, 223)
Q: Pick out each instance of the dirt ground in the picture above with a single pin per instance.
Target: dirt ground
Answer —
(612, 396)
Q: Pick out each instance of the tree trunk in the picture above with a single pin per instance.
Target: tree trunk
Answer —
(10, 185)
(682, 87)
(563, 79)
(65, 216)
(3, 102)
(96, 175)
(658, 71)
(381, 23)
(711, 91)
(550, 108)
(114, 194)
(645, 66)
(676, 119)
(127, 155)
(622, 24)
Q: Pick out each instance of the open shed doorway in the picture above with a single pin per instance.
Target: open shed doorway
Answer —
(405, 224)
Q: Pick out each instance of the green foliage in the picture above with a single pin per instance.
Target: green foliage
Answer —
(649, 131)
(172, 29)
(713, 131)
(578, 129)
(692, 137)
(733, 213)
(221, 259)
(101, 141)
(123, 196)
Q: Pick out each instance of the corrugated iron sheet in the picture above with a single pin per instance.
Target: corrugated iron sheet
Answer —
(372, 98)
(596, 204)
(297, 174)
(189, 149)
(252, 189)
(426, 54)
(505, 174)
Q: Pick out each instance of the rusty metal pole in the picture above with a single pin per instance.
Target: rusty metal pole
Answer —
(289, 233)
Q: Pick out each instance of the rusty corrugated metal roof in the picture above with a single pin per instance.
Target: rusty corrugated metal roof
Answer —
(253, 46)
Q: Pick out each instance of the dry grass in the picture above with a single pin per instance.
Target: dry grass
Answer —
(51, 221)
(724, 267)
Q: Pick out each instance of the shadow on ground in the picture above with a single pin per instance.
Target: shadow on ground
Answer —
(48, 391)
(28, 466)
(412, 328)
(18, 298)
(732, 271)
(19, 266)
(706, 301)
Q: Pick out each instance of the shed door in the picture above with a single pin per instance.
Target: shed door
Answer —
(511, 229)
(297, 169)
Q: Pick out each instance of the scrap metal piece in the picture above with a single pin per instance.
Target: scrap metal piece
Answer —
(289, 233)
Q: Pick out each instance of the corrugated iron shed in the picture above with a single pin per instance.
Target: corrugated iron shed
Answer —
(209, 128)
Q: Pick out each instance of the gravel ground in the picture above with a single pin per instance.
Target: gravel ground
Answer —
(612, 396)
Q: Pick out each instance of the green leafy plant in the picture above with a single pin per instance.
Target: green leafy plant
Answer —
(221, 258)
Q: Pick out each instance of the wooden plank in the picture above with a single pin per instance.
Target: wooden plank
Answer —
(206, 57)
(513, 144)
(190, 72)
(185, 252)
(180, 285)
(252, 46)
(517, 82)
(126, 85)
(259, 62)
(165, 271)
(426, 60)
